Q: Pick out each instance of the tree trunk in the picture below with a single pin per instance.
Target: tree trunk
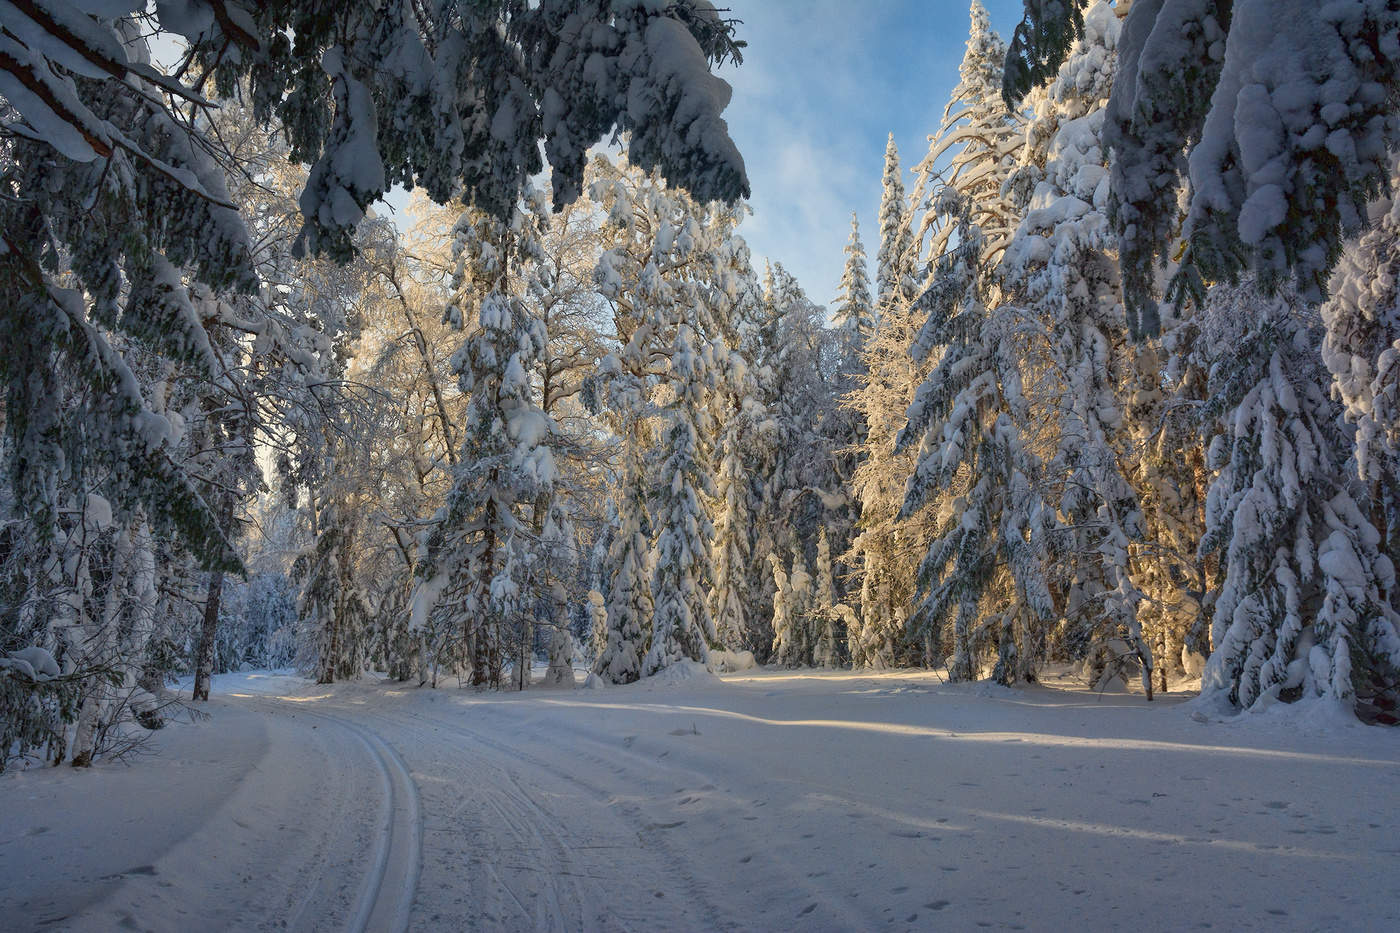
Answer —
(204, 667)
(332, 656)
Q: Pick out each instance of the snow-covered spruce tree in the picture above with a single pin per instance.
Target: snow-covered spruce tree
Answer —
(983, 577)
(486, 538)
(1040, 43)
(331, 607)
(1294, 142)
(112, 209)
(1059, 268)
(895, 260)
(1159, 103)
(829, 617)
(853, 326)
(682, 627)
(458, 99)
(673, 273)
(1362, 350)
(1167, 468)
(629, 609)
(974, 149)
(556, 287)
(1303, 610)
(883, 551)
(854, 316)
(802, 453)
(789, 628)
(733, 539)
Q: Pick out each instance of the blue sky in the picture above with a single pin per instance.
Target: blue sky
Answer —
(822, 85)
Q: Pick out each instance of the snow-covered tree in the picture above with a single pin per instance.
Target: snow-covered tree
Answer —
(1060, 268)
(792, 636)
(629, 610)
(883, 550)
(488, 537)
(332, 607)
(116, 219)
(974, 150)
(803, 447)
(895, 259)
(984, 573)
(1303, 610)
(855, 310)
(682, 627)
(733, 540)
(1166, 465)
(1293, 143)
(673, 273)
(1159, 102)
(1362, 350)
(829, 617)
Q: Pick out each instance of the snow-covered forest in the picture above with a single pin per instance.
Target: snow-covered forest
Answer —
(1109, 398)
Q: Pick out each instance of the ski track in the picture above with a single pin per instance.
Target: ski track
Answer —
(656, 791)
(386, 893)
(536, 873)
(770, 804)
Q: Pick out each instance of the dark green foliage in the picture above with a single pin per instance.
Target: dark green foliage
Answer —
(1154, 116)
(1040, 44)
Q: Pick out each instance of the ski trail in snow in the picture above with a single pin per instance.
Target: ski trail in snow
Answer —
(631, 777)
(386, 895)
(534, 879)
(387, 899)
(775, 803)
(639, 789)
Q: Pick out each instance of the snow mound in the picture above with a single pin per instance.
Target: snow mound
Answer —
(594, 682)
(33, 662)
(1313, 716)
(689, 673)
(729, 662)
(979, 688)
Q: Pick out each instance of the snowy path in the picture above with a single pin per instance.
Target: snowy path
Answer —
(770, 801)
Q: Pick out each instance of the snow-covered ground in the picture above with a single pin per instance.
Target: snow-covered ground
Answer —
(764, 800)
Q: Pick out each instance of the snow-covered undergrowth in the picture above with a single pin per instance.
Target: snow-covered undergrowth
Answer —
(758, 800)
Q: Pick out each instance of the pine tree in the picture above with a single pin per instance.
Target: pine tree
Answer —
(673, 274)
(1362, 322)
(488, 537)
(802, 451)
(683, 628)
(629, 609)
(331, 608)
(791, 642)
(1303, 610)
(1167, 468)
(1060, 267)
(1040, 44)
(1294, 141)
(1152, 109)
(855, 313)
(828, 616)
(883, 550)
(894, 261)
(985, 566)
(733, 530)
(979, 138)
